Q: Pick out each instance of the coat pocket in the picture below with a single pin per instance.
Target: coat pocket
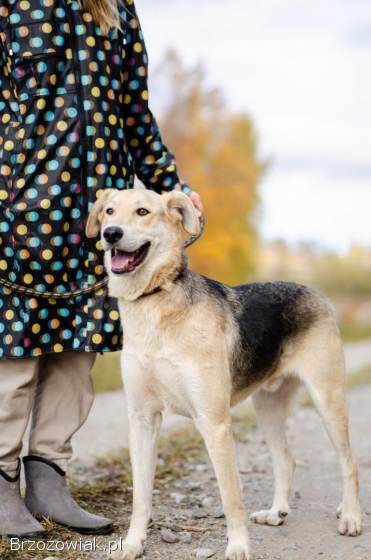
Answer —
(42, 59)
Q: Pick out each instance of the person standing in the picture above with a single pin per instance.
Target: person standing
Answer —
(74, 121)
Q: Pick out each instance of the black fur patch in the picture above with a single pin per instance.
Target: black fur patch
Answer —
(216, 287)
(267, 315)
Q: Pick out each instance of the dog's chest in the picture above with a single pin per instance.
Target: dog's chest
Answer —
(164, 377)
(176, 355)
(155, 359)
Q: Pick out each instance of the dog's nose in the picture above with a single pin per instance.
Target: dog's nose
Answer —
(113, 234)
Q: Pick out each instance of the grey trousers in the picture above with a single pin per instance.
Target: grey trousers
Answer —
(57, 390)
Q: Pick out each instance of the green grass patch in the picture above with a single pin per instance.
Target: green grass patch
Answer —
(106, 372)
(360, 377)
(243, 424)
(352, 332)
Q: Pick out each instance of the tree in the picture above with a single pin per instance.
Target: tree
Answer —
(216, 154)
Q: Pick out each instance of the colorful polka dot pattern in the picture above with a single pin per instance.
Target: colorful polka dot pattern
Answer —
(74, 120)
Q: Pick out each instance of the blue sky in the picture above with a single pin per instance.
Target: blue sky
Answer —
(301, 69)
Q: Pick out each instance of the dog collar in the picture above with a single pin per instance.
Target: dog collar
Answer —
(159, 289)
(151, 293)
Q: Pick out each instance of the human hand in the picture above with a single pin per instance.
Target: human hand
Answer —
(197, 202)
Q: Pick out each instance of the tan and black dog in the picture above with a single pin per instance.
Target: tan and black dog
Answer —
(197, 347)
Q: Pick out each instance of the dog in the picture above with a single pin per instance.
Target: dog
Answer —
(198, 347)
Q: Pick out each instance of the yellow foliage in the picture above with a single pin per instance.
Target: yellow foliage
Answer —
(216, 155)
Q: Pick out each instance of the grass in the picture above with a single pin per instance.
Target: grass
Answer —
(352, 331)
(360, 377)
(243, 424)
(106, 372)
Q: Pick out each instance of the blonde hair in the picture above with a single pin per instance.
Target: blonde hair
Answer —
(104, 12)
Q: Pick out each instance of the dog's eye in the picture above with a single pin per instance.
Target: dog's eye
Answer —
(109, 211)
(142, 212)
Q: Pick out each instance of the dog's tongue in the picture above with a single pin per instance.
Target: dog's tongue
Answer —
(122, 261)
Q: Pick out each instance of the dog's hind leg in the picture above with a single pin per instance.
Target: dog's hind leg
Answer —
(218, 437)
(326, 385)
(272, 409)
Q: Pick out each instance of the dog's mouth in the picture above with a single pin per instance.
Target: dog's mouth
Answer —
(123, 262)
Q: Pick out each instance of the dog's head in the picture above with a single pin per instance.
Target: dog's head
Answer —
(142, 234)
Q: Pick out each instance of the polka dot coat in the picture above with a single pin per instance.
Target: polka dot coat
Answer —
(74, 120)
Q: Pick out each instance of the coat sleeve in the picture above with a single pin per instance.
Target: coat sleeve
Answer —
(154, 163)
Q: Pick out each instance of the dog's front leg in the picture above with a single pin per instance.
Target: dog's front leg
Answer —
(144, 427)
(219, 441)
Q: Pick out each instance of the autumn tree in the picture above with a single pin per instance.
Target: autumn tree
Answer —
(216, 155)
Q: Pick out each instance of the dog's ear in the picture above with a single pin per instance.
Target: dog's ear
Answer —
(181, 209)
(95, 217)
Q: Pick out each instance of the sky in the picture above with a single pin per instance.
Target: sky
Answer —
(301, 70)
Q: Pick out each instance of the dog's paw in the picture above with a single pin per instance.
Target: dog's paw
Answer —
(128, 552)
(339, 511)
(237, 552)
(270, 516)
(350, 525)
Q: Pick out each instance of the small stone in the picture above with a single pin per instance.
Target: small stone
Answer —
(169, 537)
(207, 502)
(292, 547)
(186, 514)
(181, 517)
(186, 538)
(194, 501)
(200, 514)
(297, 495)
(204, 553)
(178, 498)
(201, 468)
(283, 532)
(216, 513)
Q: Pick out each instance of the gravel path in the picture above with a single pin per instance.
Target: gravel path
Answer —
(192, 498)
(310, 531)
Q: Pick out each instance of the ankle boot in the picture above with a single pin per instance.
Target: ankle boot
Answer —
(47, 495)
(15, 519)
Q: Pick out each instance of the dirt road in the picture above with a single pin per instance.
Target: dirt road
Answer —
(310, 531)
(187, 496)
(190, 497)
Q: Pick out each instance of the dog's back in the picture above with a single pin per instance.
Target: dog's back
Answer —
(266, 316)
